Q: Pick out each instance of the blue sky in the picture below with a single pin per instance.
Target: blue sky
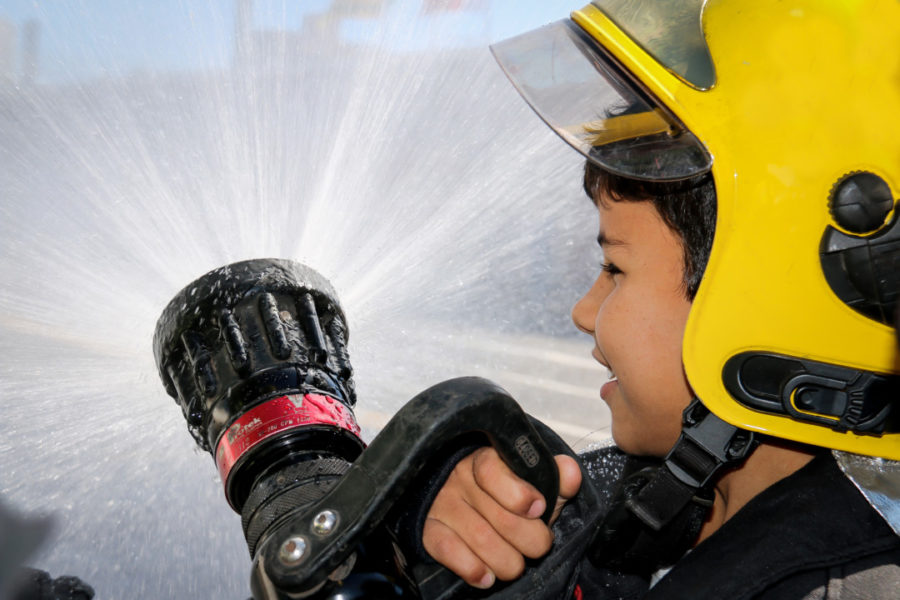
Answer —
(85, 38)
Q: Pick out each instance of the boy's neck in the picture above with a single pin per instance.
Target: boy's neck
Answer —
(772, 461)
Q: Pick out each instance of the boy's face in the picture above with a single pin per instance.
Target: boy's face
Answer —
(636, 312)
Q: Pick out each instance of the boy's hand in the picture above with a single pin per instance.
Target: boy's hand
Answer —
(485, 520)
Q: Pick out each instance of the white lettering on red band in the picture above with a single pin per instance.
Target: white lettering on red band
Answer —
(277, 415)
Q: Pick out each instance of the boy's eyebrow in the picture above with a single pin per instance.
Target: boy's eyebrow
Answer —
(607, 241)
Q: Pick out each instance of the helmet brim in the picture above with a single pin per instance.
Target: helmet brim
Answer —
(589, 102)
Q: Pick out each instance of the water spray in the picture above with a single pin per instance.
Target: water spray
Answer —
(255, 353)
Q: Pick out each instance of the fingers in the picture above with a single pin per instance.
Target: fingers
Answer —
(485, 520)
(473, 535)
(446, 547)
(473, 549)
(528, 536)
(497, 480)
(517, 496)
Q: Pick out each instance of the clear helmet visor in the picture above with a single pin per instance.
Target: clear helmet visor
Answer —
(595, 108)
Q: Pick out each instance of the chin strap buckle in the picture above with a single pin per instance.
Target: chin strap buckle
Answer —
(658, 511)
(707, 446)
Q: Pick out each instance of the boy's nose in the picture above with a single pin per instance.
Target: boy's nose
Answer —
(584, 314)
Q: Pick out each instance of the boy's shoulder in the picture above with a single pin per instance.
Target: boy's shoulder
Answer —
(810, 535)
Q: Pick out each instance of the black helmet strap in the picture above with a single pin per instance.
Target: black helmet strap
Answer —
(657, 513)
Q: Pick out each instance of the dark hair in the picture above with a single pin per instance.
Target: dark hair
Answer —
(687, 207)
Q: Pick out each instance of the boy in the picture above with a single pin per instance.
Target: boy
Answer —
(781, 516)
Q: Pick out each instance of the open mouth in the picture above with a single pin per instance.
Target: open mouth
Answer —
(611, 375)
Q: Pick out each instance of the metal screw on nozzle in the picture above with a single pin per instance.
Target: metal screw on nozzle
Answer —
(325, 522)
(292, 551)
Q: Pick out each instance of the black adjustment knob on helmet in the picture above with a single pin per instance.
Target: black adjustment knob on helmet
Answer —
(860, 202)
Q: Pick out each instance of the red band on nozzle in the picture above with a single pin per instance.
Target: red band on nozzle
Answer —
(275, 416)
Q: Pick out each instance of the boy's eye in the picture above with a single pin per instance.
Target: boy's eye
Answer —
(610, 268)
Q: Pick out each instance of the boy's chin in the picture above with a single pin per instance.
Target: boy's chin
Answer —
(631, 443)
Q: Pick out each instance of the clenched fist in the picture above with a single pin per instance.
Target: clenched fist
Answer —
(485, 520)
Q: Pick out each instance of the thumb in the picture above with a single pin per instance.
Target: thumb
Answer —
(569, 482)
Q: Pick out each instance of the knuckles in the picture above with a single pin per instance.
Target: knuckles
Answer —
(540, 544)
(507, 523)
(509, 567)
(493, 476)
(482, 536)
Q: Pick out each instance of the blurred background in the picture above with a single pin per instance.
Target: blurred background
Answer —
(145, 143)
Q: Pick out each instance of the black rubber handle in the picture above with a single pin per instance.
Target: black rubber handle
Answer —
(384, 471)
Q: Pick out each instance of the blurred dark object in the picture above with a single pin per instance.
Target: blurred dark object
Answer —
(32, 584)
(19, 538)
